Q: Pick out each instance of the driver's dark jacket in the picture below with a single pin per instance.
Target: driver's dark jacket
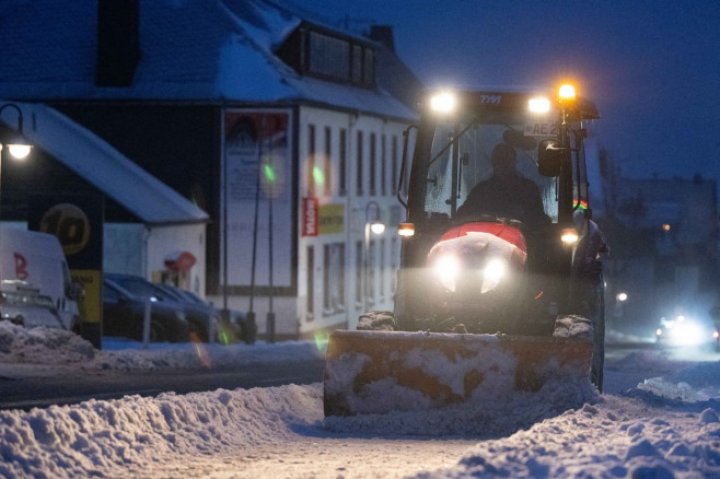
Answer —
(512, 197)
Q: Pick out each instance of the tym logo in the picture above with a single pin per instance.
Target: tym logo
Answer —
(490, 99)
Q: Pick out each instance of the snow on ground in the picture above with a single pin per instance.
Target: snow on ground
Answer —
(55, 346)
(662, 427)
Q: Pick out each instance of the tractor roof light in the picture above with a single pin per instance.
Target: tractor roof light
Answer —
(567, 93)
(539, 105)
(443, 102)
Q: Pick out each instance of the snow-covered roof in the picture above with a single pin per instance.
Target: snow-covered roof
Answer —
(190, 50)
(76, 147)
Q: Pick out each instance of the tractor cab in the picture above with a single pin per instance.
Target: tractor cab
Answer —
(497, 201)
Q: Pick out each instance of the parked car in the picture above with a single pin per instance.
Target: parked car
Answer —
(229, 330)
(199, 318)
(199, 312)
(21, 303)
(124, 313)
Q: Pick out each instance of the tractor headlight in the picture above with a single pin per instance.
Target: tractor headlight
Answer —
(447, 269)
(569, 236)
(443, 102)
(495, 270)
(539, 105)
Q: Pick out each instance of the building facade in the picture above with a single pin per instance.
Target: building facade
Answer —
(286, 131)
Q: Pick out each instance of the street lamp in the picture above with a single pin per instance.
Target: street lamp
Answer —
(374, 225)
(17, 144)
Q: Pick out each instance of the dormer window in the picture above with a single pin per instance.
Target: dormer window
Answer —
(330, 56)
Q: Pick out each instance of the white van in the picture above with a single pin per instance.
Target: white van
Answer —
(37, 259)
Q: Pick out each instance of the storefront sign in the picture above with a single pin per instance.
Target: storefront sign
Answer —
(310, 217)
(332, 219)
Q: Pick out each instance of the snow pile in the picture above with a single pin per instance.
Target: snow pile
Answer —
(481, 419)
(118, 438)
(615, 438)
(56, 346)
(41, 345)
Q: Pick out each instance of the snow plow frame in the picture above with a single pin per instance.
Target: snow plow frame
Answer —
(482, 366)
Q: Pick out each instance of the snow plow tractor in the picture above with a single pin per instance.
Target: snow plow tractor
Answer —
(500, 286)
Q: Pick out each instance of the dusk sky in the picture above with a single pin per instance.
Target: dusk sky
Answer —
(652, 67)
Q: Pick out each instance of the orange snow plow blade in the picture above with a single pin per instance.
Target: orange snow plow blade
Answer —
(381, 371)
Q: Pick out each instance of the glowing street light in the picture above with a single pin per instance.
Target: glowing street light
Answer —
(17, 144)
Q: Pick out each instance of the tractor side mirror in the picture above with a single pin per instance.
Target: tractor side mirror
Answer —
(549, 158)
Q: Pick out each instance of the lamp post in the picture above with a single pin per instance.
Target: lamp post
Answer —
(374, 225)
(17, 144)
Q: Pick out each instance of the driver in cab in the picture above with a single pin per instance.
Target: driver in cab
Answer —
(506, 194)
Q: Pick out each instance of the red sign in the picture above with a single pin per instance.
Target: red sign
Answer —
(310, 217)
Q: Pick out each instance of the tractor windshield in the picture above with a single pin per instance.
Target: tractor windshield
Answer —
(496, 168)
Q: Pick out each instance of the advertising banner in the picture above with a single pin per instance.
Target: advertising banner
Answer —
(257, 196)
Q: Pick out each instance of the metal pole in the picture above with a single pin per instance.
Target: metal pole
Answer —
(271, 312)
(250, 320)
(147, 317)
(366, 262)
(270, 190)
(225, 311)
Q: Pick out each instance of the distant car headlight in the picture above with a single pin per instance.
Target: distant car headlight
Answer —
(687, 333)
(447, 269)
(495, 270)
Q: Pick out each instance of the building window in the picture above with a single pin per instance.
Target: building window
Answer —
(357, 63)
(359, 176)
(358, 274)
(311, 159)
(328, 56)
(328, 162)
(394, 159)
(310, 283)
(381, 287)
(373, 166)
(383, 166)
(342, 167)
(368, 66)
(334, 278)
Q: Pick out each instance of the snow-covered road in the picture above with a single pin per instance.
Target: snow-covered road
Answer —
(663, 427)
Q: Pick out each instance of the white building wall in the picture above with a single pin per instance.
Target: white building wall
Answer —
(359, 203)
